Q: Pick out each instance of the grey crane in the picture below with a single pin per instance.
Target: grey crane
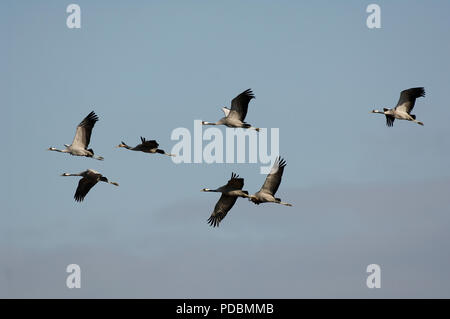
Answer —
(230, 193)
(146, 146)
(270, 186)
(90, 178)
(235, 116)
(82, 138)
(404, 107)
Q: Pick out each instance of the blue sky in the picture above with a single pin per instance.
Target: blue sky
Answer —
(362, 193)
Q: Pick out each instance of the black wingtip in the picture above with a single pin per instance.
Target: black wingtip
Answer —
(93, 115)
(422, 92)
(249, 93)
(213, 222)
(417, 92)
(281, 162)
(90, 118)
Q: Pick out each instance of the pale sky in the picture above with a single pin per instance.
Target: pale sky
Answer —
(363, 193)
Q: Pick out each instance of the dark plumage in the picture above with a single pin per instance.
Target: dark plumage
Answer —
(89, 180)
(230, 192)
(146, 146)
(235, 116)
(408, 98)
(271, 184)
(84, 130)
(239, 105)
(222, 207)
(404, 107)
(80, 143)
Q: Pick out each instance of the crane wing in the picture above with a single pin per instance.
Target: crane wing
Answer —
(223, 206)
(84, 131)
(273, 179)
(239, 105)
(84, 186)
(408, 99)
(150, 144)
(389, 120)
(226, 111)
(235, 182)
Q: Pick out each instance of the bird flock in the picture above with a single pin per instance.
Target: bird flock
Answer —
(235, 118)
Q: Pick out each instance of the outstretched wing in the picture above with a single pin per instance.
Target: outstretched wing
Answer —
(226, 111)
(84, 131)
(150, 144)
(235, 182)
(84, 186)
(389, 120)
(221, 209)
(273, 180)
(408, 99)
(239, 105)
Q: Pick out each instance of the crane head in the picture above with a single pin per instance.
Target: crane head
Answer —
(377, 111)
(122, 144)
